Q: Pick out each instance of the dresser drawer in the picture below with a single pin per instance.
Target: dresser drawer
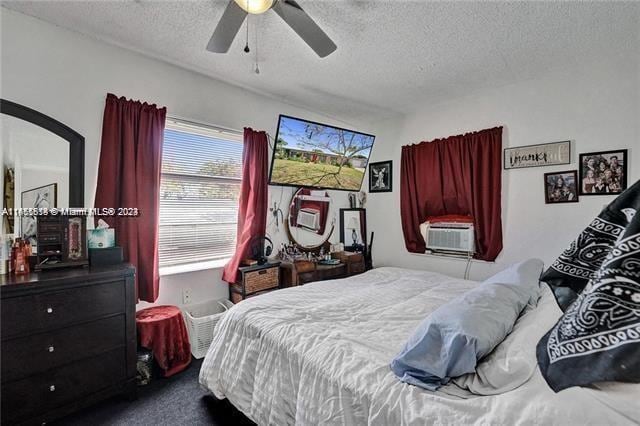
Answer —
(27, 398)
(25, 356)
(336, 272)
(49, 227)
(260, 280)
(49, 238)
(30, 314)
(356, 268)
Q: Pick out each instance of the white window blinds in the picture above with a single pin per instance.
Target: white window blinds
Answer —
(199, 187)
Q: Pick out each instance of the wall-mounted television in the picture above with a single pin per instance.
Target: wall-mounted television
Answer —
(317, 155)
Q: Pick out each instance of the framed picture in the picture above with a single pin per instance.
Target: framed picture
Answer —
(561, 187)
(381, 176)
(546, 154)
(353, 229)
(603, 173)
(37, 198)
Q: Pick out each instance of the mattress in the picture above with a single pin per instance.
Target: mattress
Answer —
(319, 355)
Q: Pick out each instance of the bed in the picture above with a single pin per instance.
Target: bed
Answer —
(319, 354)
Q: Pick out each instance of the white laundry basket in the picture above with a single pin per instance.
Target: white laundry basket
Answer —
(201, 319)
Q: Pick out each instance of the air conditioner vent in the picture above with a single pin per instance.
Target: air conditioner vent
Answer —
(449, 238)
(309, 218)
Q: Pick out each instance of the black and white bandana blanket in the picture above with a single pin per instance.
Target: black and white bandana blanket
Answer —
(598, 337)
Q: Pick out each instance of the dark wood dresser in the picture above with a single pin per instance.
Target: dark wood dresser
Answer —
(68, 340)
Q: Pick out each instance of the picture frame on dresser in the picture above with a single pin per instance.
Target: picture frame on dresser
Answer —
(38, 199)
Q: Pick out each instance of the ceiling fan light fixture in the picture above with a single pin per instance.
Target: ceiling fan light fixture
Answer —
(255, 7)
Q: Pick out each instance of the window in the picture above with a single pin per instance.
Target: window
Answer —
(199, 187)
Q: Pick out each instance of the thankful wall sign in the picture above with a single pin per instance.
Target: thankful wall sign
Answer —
(546, 154)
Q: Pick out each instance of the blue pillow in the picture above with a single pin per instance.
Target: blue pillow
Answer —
(450, 341)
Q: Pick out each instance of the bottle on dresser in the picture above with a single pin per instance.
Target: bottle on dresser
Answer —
(20, 253)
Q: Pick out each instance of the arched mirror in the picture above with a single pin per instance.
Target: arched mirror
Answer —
(42, 165)
(311, 219)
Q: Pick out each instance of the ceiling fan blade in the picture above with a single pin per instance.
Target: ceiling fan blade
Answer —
(227, 28)
(305, 27)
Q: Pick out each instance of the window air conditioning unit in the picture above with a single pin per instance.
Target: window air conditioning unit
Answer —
(458, 237)
(309, 218)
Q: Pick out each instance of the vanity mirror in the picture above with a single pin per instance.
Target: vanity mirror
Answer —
(311, 218)
(43, 166)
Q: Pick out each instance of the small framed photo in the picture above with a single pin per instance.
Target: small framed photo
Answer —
(603, 173)
(561, 187)
(381, 176)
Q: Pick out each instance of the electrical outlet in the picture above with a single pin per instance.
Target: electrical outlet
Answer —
(186, 296)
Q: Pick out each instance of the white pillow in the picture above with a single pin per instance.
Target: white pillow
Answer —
(513, 361)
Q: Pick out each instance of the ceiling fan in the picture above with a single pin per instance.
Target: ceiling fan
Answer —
(289, 10)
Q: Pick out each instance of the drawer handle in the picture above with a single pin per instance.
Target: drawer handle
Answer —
(50, 348)
(264, 271)
(52, 388)
(49, 310)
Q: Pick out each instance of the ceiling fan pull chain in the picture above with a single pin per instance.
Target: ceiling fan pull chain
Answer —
(246, 46)
(255, 30)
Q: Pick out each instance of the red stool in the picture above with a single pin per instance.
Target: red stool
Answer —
(161, 329)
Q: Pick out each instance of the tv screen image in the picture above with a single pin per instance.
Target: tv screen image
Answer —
(318, 155)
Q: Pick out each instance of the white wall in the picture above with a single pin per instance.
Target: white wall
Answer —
(596, 107)
(67, 76)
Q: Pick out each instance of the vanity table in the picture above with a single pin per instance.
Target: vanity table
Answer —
(302, 271)
(310, 223)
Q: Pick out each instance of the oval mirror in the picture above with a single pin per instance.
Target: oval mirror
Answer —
(311, 219)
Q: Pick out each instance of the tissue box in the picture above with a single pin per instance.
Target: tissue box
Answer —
(102, 238)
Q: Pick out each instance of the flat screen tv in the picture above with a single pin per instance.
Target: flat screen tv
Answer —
(319, 156)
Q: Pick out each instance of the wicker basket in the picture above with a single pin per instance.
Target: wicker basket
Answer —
(263, 279)
(201, 319)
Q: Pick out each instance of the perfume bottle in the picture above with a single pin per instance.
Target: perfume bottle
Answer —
(20, 262)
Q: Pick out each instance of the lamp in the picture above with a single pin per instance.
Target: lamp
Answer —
(255, 7)
(353, 225)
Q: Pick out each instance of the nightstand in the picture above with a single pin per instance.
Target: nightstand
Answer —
(254, 280)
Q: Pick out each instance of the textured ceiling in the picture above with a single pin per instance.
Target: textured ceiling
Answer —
(392, 55)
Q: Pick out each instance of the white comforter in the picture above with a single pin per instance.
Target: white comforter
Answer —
(320, 354)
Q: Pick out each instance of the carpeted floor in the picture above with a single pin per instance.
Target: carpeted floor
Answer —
(178, 400)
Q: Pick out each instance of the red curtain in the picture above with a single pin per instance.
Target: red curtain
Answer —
(457, 175)
(129, 176)
(252, 212)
